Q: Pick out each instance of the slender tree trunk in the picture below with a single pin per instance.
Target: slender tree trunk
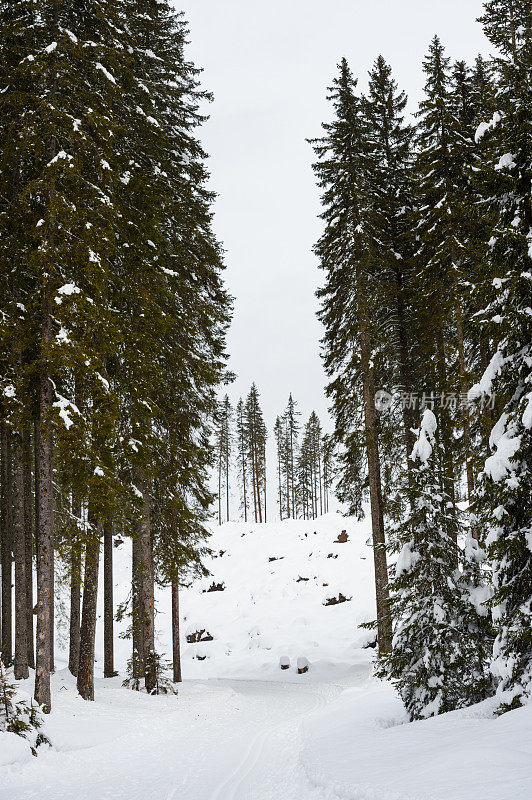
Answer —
(85, 682)
(28, 539)
(447, 440)
(220, 488)
(384, 623)
(138, 659)
(280, 487)
(244, 486)
(293, 490)
(265, 510)
(45, 539)
(404, 372)
(6, 546)
(108, 610)
(176, 650)
(465, 411)
(227, 483)
(21, 643)
(75, 590)
(147, 593)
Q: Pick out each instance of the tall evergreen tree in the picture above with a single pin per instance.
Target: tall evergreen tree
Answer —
(506, 496)
(347, 314)
(256, 436)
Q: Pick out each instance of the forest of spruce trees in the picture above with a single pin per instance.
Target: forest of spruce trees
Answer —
(113, 319)
(304, 467)
(427, 310)
(113, 316)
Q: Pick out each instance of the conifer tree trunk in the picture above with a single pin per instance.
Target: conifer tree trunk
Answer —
(28, 538)
(85, 677)
(280, 485)
(292, 481)
(404, 373)
(244, 490)
(45, 539)
(220, 487)
(446, 429)
(108, 608)
(176, 649)
(384, 623)
(265, 512)
(136, 623)
(147, 594)
(464, 387)
(75, 592)
(21, 644)
(6, 546)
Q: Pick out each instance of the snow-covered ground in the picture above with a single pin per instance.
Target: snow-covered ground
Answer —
(243, 729)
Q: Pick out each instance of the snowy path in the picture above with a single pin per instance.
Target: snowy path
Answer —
(305, 738)
(218, 741)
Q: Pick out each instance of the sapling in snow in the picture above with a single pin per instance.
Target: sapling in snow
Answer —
(18, 715)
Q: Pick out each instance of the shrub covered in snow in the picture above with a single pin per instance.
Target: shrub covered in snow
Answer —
(19, 714)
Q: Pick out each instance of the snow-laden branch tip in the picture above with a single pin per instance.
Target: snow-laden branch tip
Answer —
(61, 156)
(484, 127)
(65, 407)
(484, 388)
(105, 72)
(422, 449)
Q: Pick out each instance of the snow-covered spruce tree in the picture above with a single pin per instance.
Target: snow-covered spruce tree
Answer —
(506, 495)
(439, 657)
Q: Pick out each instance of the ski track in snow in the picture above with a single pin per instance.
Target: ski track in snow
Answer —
(227, 752)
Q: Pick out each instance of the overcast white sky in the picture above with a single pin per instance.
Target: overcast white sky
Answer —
(268, 65)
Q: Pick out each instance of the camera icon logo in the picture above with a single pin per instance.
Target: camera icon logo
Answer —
(383, 400)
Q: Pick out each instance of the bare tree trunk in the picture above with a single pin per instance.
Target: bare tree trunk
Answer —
(108, 611)
(227, 482)
(6, 546)
(244, 487)
(465, 412)
(220, 488)
(176, 649)
(28, 539)
(147, 593)
(21, 644)
(75, 590)
(85, 682)
(45, 539)
(136, 623)
(265, 478)
(384, 623)
(447, 440)
(404, 371)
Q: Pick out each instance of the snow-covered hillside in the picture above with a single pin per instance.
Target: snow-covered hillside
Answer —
(294, 589)
(275, 590)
